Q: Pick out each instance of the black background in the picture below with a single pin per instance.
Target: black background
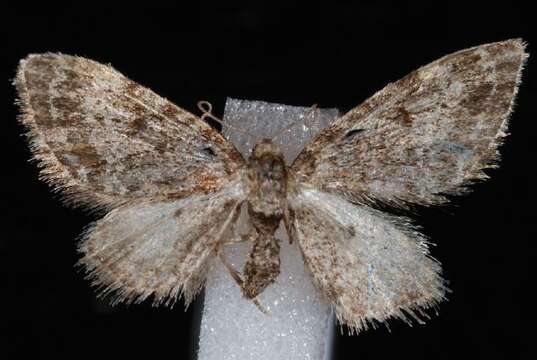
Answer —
(334, 54)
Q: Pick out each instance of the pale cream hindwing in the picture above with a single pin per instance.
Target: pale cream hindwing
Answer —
(424, 136)
(160, 247)
(102, 139)
(369, 265)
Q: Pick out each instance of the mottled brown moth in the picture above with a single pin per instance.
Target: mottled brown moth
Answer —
(172, 187)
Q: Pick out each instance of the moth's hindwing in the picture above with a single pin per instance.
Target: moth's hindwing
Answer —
(161, 247)
(369, 265)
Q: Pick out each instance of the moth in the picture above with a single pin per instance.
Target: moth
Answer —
(171, 186)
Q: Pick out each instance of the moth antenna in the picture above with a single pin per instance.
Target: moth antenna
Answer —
(206, 109)
(314, 109)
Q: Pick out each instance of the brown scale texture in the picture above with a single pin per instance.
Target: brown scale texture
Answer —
(424, 136)
(102, 138)
(107, 143)
(173, 186)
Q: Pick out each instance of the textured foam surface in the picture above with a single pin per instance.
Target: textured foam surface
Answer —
(300, 324)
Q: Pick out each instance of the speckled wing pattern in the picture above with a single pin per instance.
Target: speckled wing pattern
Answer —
(162, 248)
(102, 139)
(370, 265)
(107, 143)
(173, 186)
(423, 137)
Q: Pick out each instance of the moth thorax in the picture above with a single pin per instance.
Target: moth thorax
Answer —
(268, 180)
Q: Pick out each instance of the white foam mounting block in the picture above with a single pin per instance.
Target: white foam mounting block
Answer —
(300, 323)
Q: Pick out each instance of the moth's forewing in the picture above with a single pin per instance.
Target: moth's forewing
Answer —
(107, 142)
(424, 136)
(103, 139)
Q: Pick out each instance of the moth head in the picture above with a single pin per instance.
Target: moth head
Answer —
(267, 159)
(265, 148)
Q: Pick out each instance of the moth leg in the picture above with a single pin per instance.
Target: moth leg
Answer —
(235, 240)
(238, 279)
(232, 271)
(236, 237)
(218, 248)
(287, 220)
(239, 238)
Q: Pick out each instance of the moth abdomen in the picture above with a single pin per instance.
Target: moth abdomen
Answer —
(263, 264)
